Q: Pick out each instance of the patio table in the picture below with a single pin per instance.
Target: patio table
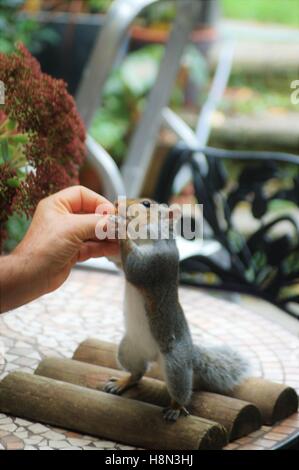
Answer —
(90, 305)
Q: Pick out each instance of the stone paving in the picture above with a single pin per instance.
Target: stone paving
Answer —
(89, 305)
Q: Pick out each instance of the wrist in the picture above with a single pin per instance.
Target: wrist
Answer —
(7, 278)
(19, 284)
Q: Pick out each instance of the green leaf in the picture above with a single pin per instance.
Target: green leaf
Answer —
(11, 125)
(197, 66)
(250, 274)
(16, 228)
(108, 130)
(19, 139)
(13, 182)
(4, 152)
(235, 240)
(140, 69)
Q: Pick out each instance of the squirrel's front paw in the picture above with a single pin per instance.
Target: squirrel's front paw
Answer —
(173, 412)
(118, 386)
(113, 386)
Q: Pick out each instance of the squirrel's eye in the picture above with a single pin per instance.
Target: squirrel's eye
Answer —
(146, 204)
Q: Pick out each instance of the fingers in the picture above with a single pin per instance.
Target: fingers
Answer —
(85, 226)
(97, 250)
(79, 199)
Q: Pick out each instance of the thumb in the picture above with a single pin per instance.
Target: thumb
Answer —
(84, 226)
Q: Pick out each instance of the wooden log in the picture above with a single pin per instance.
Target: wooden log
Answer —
(106, 416)
(103, 353)
(239, 418)
(275, 401)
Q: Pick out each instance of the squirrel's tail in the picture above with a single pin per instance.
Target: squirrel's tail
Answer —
(218, 368)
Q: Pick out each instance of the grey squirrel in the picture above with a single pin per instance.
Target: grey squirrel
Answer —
(156, 327)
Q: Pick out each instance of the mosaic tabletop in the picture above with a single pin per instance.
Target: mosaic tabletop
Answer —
(89, 305)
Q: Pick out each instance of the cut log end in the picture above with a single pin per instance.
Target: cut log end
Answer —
(275, 401)
(286, 404)
(248, 420)
(214, 439)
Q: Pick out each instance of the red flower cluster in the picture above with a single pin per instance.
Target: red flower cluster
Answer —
(44, 111)
(7, 192)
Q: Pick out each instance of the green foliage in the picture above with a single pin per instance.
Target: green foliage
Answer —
(163, 12)
(12, 150)
(258, 103)
(139, 71)
(268, 11)
(252, 93)
(16, 227)
(126, 92)
(12, 154)
(159, 13)
(99, 6)
(291, 263)
(123, 100)
(16, 27)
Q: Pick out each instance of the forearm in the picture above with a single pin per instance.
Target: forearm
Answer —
(17, 283)
(61, 233)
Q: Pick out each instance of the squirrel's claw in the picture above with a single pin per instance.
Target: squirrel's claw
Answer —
(172, 414)
(117, 386)
(184, 411)
(113, 387)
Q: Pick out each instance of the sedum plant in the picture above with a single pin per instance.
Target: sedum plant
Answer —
(42, 138)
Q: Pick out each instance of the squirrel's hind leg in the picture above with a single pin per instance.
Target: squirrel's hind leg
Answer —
(178, 374)
(174, 411)
(132, 362)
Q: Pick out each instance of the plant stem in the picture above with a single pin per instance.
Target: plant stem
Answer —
(4, 150)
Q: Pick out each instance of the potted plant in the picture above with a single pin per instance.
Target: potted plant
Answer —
(76, 25)
(126, 92)
(16, 28)
(42, 141)
(154, 25)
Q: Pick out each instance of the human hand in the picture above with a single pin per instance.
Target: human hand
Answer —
(62, 232)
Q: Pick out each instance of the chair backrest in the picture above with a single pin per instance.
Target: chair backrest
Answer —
(106, 51)
(105, 54)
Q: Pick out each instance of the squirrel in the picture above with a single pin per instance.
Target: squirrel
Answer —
(156, 327)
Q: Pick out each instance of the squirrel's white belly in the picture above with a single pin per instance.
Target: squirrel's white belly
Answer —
(137, 324)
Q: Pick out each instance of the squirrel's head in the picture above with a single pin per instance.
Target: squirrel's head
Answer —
(146, 215)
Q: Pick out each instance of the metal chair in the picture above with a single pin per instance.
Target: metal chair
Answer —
(262, 261)
(130, 179)
(120, 17)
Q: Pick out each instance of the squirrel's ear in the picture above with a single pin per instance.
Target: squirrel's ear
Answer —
(174, 212)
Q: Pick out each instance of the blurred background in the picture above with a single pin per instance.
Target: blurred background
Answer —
(255, 110)
(242, 104)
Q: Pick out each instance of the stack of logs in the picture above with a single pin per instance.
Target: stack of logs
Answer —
(67, 393)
